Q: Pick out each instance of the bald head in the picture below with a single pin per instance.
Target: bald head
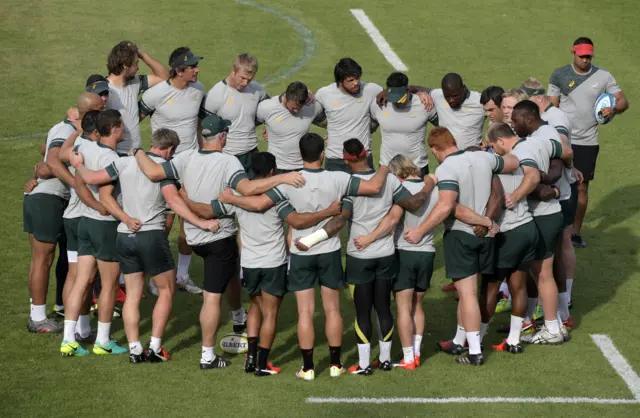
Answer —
(454, 90)
(88, 101)
(452, 81)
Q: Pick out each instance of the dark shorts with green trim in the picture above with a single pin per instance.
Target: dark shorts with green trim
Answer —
(337, 164)
(98, 239)
(271, 280)
(285, 171)
(42, 216)
(570, 206)
(515, 250)
(366, 270)
(549, 230)
(144, 252)
(220, 263)
(414, 271)
(246, 159)
(71, 231)
(309, 271)
(466, 255)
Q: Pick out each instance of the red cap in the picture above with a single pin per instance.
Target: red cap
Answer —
(349, 157)
(583, 49)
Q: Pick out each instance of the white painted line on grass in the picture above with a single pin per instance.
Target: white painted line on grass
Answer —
(470, 400)
(379, 40)
(619, 363)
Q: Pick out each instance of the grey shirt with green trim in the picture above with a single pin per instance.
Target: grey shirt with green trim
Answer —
(348, 116)
(518, 215)
(285, 129)
(403, 130)
(469, 174)
(321, 189)
(537, 151)
(414, 219)
(175, 109)
(578, 94)
(261, 234)
(96, 157)
(142, 198)
(464, 123)
(559, 120)
(368, 211)
(240, 107)
(75, 208)
(125, 100)
(55, 138)
(205, 174)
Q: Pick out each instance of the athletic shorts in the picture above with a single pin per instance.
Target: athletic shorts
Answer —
(515, 249)
(465, 254)
(366, 270)
(584, 159)
(570, 206)
(71, 231)
(220, 263)
(246, 159)
(98, 239)
(310, 271)
(414, 270)
(549, 230)
(144, 252)
(42, 216)
(271, 280)
(337, 164)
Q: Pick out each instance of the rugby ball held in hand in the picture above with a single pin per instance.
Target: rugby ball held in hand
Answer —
(604, 101)
(234, 343)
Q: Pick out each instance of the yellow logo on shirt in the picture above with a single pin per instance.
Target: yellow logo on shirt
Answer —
(170, 101)
(335, 103)
(572, 83)
(278, 118)
(412, 115)
(385, 114)
(360, 100)
(230, 100)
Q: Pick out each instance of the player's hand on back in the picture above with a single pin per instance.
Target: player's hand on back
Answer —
(134, 224)
(508, 201)
(75, 159)
(311, 99)
(300, 246)
(211, 225)
(426, 100)
(381, 99)
(579, 175)
(480, 231)
(294, 178)
(362, 242)
(335, 208)
(30, 185)
(225, 195)
(412, 235)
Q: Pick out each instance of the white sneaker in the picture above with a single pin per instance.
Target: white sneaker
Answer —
(153, 289)
(187, 285)
(543, 337)
(565, 334)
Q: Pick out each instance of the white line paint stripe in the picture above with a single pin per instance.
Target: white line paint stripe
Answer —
(379, 40)
(619, 363)
(470, 400)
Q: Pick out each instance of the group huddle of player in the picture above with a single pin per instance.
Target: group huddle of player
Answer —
(507, 198)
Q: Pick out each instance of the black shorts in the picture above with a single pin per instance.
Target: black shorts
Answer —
(220, 263)
(584, 159)
(144, 252)
(570, 206)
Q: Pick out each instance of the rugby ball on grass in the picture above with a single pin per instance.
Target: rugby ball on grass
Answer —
(234, 343)
(604, 101)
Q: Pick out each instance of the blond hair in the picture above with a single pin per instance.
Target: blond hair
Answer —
(519, 95)
(246, 62)
(164, 138)
(402, 167)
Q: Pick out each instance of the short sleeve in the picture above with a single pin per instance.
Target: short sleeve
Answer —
(497, 163)
(115, 168)
(612, 85)
(221, 210)
(107, 158)
(212, 101)
(144, 83)
(347, 203)
(275, 195)
(526, 159)
(318, 114)
(55, 143)
(175, 168)
(147, 104)
(262, 94)
(321, 97)
(347, 184)
(556, 149)
(168, 182)
(284, 208)
(562, 130)
(373, 109)
(234, 172)
(554, 85)
(447, 179)
(263, 111)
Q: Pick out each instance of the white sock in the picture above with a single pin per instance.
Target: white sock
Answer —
(461, 336)
(515, 330)
(121, 278)
(69, 331)
(364, 355)
(408, 354)
(559, 318)
(552, 326)
(83, 327)
(239, 315)
(103, 332)
(474, 342)
(569, 287)
(417, 340)
(38, 312)
(288, 263)
(183, 265)
(563, 306)
(385, 351)
(504, 288)
(483, 330)
(155, 344)
(135, 348)
(207, 354)
(531, 307)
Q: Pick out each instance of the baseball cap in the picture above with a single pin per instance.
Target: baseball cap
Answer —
(397, 94)
(214, 124)
(98, 87)
(188, 58)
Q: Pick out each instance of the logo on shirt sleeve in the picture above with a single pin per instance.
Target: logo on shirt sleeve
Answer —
(572, 83)
(335, 103)
(170, 101)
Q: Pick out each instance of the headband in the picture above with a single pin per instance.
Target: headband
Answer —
(349, 157)
(532, 92)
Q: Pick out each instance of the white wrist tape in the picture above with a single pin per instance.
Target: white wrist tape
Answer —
(312, 239)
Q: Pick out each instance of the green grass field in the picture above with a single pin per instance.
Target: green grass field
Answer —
(49, 48)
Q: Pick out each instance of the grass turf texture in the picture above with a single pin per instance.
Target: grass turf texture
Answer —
(49, 49)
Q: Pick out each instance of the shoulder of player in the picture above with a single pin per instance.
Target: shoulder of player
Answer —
(220, 86)
(370, 87)
(197, 86)
(474, 99)
(254, 86)
(158, 89)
